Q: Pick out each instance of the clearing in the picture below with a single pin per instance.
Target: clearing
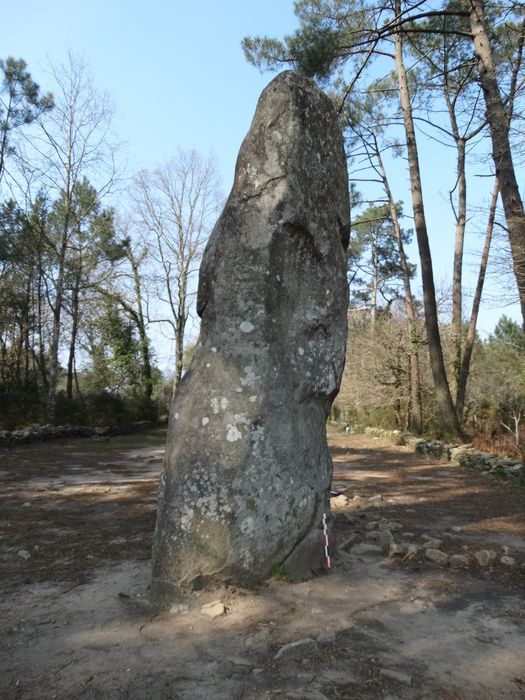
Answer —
(75, 539)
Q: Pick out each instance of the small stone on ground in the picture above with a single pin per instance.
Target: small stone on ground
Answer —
(458, 560)
(485, 557)
(436, 556)
(214, 609)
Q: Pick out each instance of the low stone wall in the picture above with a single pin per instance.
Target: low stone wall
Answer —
(40, 433)
(463, 455)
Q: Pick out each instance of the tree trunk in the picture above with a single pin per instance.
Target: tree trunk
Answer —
(471, 332)
(443, 396)
(53, 353)
(459, 207)
(4, 130)
(29, 306)
(42, 362)
(57, 320)
(180, 328)
(141, 327)
(415, 416)
(53, 359)
(73, 339)
(375, 278)
(501, 150)
(457, 283)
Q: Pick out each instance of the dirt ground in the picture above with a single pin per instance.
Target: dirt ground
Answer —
(76, 519)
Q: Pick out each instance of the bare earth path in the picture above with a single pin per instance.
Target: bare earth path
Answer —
(76, 519)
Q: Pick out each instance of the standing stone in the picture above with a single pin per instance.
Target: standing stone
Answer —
(247, 471)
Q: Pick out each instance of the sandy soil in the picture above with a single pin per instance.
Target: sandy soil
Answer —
(75, 536)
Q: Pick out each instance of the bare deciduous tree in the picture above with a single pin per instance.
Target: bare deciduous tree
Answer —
(175, 206)
(74, 141)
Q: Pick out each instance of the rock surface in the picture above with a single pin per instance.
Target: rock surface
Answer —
(297, 648)
(247, 470)
(398, 676)
(436, 556)
(485, 557)
(459, 560)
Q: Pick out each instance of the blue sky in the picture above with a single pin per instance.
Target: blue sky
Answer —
(178, 78)
(175, 70)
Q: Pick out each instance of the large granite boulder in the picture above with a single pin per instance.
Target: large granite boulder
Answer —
(247, 471)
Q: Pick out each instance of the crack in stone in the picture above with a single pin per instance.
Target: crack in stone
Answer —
(247, 197)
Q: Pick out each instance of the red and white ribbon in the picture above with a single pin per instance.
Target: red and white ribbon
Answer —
(328, 563)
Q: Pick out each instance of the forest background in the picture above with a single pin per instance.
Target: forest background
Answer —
(120, 128)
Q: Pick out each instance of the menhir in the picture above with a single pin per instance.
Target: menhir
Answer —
(247, 471)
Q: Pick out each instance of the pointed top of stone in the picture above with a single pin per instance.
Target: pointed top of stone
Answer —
(295, 133)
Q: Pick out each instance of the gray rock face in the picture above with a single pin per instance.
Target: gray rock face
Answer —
(437, 556)
(247, 470)
(485, 557)
(297, 648)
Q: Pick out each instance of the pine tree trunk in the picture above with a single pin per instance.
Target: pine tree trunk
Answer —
(375, 281)
(501, 150)
(471, 332)
(457, 281)
(443, 397)
(415, 415)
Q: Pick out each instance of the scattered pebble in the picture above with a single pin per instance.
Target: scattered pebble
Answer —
(412, 549)
(391, 525)
(436, 556)
(213, 609)
(375, 499)
(339, 502)
(485, 557)
(458, 560)
(398, 549)
(357, 501)
(508, 561)
(365, 550)
(383, 538)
